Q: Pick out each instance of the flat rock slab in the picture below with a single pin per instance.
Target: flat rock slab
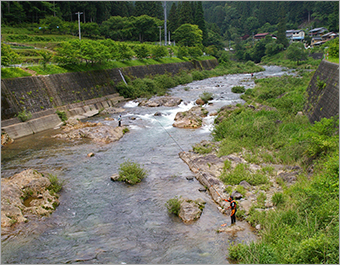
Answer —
(31, 186)
(96, 131)
(166, 101)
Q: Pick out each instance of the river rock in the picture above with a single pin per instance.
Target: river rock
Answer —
(115, 177)
(230, 229)
(200, 101)
(245, 184)
(98, 132)
(158, 114)
(166, 101)
(90, 154)
(191, 118)
(190, 210)
(31, 186)
(236, 195)
(5, 139)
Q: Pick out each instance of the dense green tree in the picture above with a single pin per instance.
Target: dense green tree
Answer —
(195, 52)
(273, 48)
(47, 57)
(141, 51)
(90, 29)
(118, 28)
(51, 24)
(124, 52)
(12, 12)
(173, 18)
(333, 47)
(158, 52)
(150, 8)
(113, 49)
(296, 52)
(188, 35)
(199, 21)
(68, 53)
(281, 28)
(8, 56)
(185, 14)
(147, 28)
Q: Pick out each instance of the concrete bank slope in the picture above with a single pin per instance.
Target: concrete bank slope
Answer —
(37, 93)
(48, 119)
(323, 92)
(81, 93)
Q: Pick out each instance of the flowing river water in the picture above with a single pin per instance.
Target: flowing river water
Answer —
(100, 221)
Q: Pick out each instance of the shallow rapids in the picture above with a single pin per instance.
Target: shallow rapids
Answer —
(100, 221)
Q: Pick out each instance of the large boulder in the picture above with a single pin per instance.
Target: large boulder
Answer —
(166, 101)
(191, 118)
(98, 132)
(190, 210)
(25, 194)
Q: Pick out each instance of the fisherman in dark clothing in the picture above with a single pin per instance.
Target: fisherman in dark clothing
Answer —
(233, 207)
(120, 120)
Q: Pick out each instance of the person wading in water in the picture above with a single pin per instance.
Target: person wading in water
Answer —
(233, 207)
(120, 120)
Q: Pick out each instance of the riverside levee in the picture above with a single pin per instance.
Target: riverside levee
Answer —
(100, 221)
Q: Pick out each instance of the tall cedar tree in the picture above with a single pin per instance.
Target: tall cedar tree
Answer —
(173, 18)
(185, 14)
(281, 28)
(200, 22)
(150, 8)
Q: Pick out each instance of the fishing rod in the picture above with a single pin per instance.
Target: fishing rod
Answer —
(193, 162)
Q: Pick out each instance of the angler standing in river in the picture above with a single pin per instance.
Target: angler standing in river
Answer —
(120, 120)
(233, 208)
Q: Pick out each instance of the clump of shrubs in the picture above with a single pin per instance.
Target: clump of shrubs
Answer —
(24, 116)
(206, 96)
(238, 89)
(174, 205)
(131, 172)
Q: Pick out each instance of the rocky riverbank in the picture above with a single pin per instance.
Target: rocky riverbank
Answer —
(24, 195)
(97, 132)
(210, 167)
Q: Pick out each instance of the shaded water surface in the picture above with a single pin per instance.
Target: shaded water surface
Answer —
(100, 221)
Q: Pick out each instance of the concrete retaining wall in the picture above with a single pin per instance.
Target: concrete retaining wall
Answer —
(323, 92)
(37, 93)
(77, 94)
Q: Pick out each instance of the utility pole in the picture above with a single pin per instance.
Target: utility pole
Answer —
(79, 13)
(165, 31)
(160, 36)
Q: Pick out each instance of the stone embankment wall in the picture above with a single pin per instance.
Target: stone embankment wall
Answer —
(75, 93)
(323, 92)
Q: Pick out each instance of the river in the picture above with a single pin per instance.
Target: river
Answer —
(100, 221)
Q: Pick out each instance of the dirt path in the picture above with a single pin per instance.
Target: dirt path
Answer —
(33, 73)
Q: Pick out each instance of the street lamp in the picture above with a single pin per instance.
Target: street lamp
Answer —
(79, 13)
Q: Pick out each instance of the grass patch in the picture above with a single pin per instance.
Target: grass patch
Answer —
(56, 185)
(174, 205)
(238, 89)
(131, 172)
(13, 72)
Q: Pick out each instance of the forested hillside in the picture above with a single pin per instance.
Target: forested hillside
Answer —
(237, 18)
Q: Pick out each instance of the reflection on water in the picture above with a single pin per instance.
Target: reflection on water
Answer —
(100, 221)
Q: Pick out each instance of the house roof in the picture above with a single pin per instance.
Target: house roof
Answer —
(329, 34)
(261, 34)
(317, 29)
(293, 30)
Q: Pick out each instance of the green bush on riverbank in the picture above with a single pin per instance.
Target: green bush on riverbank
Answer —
(304, 228)
(158, 84)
